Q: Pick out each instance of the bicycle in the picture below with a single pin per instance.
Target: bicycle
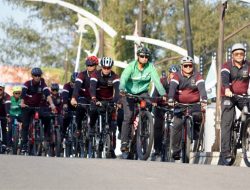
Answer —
(166, 154)
(16, 135)
(144, 132)
(187, 130)
(240, 135)
(55, 135)
(36, 134)
(103, 141)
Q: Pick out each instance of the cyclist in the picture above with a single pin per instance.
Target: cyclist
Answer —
(104, 86)
(67, 93)
(4, 114)
(235, 80)
(35, 93)
(56, 97)
(135, 80)
(81, 91)
(15, 110)
(159, 114)
(187, 86)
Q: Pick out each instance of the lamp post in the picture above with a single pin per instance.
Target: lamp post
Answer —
(216, 146)
(188, 29)
(140, 19)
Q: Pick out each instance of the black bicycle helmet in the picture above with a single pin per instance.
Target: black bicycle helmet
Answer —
(73, 77)
(173, 69)
(143, 51)
(107, 62)
(54, 86)
(36, 71)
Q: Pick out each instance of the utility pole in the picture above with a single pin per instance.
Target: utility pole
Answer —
(101, 50)
(140, 19)
(216, 145)
(66, 68)
(188, 29)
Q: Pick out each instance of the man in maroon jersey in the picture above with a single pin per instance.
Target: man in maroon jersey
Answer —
(187, 86)
(4, 114)
(235, 80)
(81, 91)
(104, 86)
(35, 93)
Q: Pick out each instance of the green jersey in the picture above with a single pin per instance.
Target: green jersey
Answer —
(15, 108)
(135, 81)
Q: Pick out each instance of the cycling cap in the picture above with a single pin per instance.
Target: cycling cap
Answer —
(173, 69)
(17, 89)
(73, 77)
(143, 51)
(54, 86)
(91, 61)
(238, 46)
(187, 60)
(36, 71)
(107, 62)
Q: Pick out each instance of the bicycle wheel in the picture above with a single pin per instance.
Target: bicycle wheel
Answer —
(246, 143)
(188, 140)
(166, 145)
(39, 137)
(199, 144)
(57, 142)
(145, 135)
(15, 138)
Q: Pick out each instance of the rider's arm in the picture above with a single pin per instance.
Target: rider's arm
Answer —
(201, 87)
(116, 83)
(174, 82)
(7, 105)
(77, 87)
(93, 84)
(125, 76)
(225, 75)
(156, 79)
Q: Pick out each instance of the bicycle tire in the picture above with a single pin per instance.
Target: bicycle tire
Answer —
(246, 142)
(145, 135)
(106, 146)
(188, 144)
(39, 138)
(15, 137)
(166, 154)
(57, 142)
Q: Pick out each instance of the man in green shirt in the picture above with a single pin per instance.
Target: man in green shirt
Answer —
(135, 80)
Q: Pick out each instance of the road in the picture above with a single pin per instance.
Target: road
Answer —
(26, 172)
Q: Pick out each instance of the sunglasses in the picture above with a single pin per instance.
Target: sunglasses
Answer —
(17, 93)
(90, 65)
(144, 56)
(37, 75)
(54, 90)
(239, 54)
(188, 65)
(106, 68)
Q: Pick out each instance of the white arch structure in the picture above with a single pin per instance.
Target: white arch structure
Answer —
(160, 43)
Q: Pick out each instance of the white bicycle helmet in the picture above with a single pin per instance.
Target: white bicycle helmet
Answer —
(238, 46)
(107, 62)
(187, 59)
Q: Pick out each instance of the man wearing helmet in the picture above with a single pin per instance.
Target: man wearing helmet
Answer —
(67, 93)
(81, 91)
(159, 113)
(135, 79)
(187, 86)
(15, 110)
(35, 93)
(235, 80)
(104, 86)
(4, 114)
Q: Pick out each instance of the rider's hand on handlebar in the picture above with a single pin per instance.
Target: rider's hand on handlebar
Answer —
(23, 105)
(203, 104)
(122, 93)
(171, 102)
(73, 102)
(228, 92)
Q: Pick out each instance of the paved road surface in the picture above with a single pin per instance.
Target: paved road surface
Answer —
(20, 172)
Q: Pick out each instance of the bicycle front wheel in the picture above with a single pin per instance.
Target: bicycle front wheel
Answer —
(145, 135)
(246, 142)
(188, 140)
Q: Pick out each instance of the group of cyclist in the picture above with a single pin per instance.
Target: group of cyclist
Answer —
(183, 84)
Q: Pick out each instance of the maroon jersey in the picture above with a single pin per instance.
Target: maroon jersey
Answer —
(5, 105)
(187, 89)
(234, 78)
(104, 87)
(82, 85)
(35, 95)
(57, 101)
